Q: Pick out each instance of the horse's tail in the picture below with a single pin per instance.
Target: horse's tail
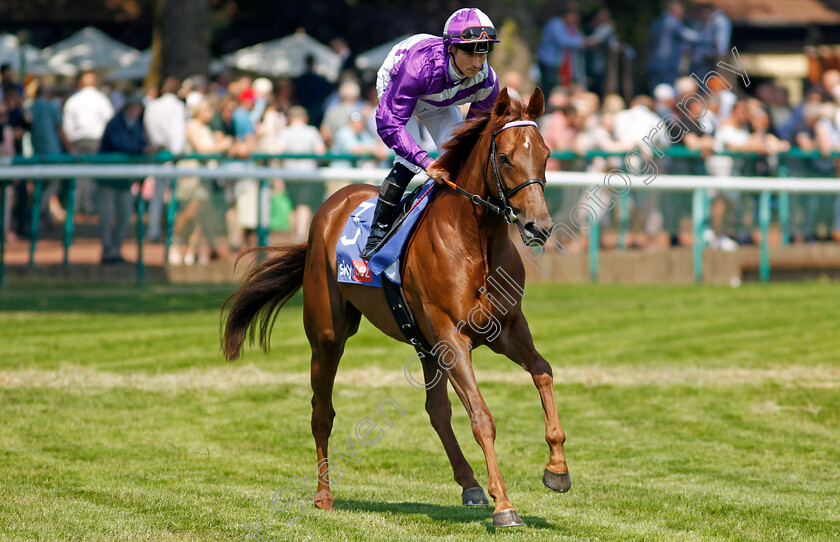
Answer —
(263, 292)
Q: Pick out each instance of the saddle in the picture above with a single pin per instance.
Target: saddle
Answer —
(383, 270)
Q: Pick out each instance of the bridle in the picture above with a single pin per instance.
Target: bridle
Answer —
(504, 209)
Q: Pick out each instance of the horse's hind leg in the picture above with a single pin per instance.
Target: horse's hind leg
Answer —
(329, 321)
(440, 413)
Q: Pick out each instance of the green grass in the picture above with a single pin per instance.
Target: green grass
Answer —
(691, 414)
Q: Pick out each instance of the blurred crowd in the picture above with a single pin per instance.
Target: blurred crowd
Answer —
(232, 119)
(699, 106)
(235, 118)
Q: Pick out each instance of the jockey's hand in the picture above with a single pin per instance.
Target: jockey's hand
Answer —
(436, 173)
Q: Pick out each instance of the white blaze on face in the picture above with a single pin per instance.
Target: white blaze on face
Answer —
(527, 143)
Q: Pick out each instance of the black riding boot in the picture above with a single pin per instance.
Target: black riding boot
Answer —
(386, 208)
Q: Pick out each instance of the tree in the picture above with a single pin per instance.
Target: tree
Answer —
(181, 36)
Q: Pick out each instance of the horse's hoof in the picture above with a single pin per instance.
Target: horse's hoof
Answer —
(474, 496)
(324, 500)
(560, 483)
(507, 518)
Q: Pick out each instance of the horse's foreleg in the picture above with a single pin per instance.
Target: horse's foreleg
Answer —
(516, 343)
(484, 429)
(440, 414)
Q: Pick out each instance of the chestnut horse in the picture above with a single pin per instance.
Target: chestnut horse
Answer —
(457, 244)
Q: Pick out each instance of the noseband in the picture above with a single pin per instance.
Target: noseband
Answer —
(504, 194)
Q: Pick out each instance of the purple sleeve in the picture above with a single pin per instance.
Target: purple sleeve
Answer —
(396, 105)
(487, 103)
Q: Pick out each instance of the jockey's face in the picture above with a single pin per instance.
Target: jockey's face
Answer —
(467, 63)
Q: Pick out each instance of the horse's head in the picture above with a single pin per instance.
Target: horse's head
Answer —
(516, 164)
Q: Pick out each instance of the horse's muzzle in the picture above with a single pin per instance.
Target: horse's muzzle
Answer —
(536, 233)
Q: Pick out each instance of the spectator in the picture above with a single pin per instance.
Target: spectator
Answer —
(284, 98)
(263, 89)
(774, 98)
(312, 90)
(301, 138)
(736, 134)
(123, 133)
(818, 133)
(18, 118)
(830, 83)
(772, 145)
(666, 99)
(194, 195)
(85, 115)
(115, 95)
(631, 127)
(246, 190)
(353, 138)
(222, 126)
(369, 111)
(697, 122)
(7, 138)
(560, 50)
(243, 123)
(558, 133)
(634, 124)
(340, 46)
(9, 78)
(601, 42)
(48, 139)
(669, 40)
(688, 125)
(715, 36)
(600, 135)
(271, 125)
(796, 123)
(193, 91)
(19, 122)
(7, 152)
(512, 79)
(165, 124)
(555, 127)
(338, 115)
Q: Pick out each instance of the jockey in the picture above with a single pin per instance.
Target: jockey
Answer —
(422, 82)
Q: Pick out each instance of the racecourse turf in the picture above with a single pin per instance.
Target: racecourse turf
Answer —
(692, 413)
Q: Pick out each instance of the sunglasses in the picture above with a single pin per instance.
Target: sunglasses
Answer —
(476, 33)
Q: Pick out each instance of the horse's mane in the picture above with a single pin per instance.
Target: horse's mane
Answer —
(458, 149)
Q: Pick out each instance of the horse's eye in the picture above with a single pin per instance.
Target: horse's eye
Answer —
(503, 160)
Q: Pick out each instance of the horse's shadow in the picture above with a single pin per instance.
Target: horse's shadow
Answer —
(452, 514)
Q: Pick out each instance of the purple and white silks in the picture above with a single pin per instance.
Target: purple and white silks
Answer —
(417, 81)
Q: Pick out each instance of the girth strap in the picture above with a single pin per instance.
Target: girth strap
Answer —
(402, 314)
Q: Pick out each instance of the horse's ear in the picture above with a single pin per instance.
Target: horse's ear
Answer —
(536, 105)
(502, 103)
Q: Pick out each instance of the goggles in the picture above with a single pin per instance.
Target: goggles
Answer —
(474, 33)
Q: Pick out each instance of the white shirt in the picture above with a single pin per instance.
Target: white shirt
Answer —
(86, 113)
(634, 124)
(301, 139)
(165, 122)
(730, 135)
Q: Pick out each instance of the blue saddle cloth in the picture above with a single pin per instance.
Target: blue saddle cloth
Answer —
(352, 269)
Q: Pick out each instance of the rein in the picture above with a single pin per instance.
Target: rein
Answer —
(505, 210)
